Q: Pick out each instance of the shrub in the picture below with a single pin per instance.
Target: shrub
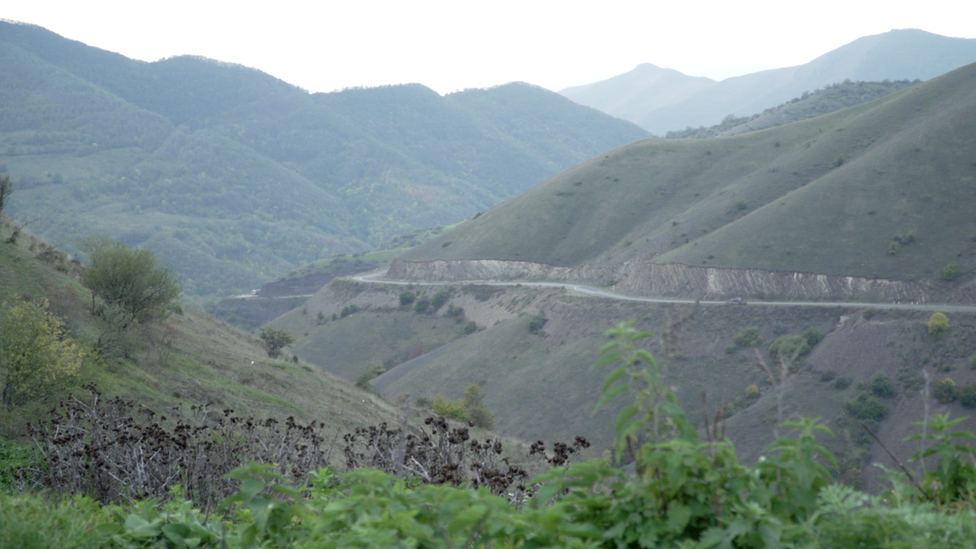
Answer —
(828, 375)
(129, 281)
(536, 324)
(451, 409)
(406, 298)
(881, 386)
(967, 396)
(37, 358)
(440, 298)
(470, 328)
(455, 312)
(348, 310)
(274, 340)
(938, 325)
(950, 272)
(752, 391)
(866, 408)
(749, 337)
(945, 390)
(421, 305)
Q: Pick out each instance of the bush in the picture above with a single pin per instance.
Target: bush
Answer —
(470, 328)
(950, 272)
(828, 375)
(406, 298)
(881, 386)
(752, 391)
(274, 340)
(451, 409)
(130, 281)
(749, 337)
(536, 324)
(967, 396)
(37, 358)
(945, 390)
(938, 325)
(421, 305)
(348, 310)
(440, 298)
(866, 408)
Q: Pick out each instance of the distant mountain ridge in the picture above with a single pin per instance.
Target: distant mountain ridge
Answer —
(643, 96)
(236, 177)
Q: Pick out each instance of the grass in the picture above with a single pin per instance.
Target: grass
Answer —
(907, 156)
(191, 359)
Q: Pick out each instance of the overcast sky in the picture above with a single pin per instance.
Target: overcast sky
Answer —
(457, 44)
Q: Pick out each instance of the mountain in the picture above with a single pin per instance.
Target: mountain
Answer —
(236, 177)
(655, 104)
(879, 191)
(870, 205)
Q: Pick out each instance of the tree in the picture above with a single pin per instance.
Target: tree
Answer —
(130, 281)
(938, 324)
(6, 189)
(36, 358)
(274, 340)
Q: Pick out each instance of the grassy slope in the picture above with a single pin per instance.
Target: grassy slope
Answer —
(195, 360)
(824, 195)
(543, 386)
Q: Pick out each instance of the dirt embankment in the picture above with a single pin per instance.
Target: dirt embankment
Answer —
(674, 280)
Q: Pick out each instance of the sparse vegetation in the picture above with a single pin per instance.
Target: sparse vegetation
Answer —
(881, 386)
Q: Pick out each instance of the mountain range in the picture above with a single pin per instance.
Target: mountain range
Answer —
(661, 100)
(235, 177)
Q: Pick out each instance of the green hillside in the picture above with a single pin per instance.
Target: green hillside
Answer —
(883, 189)
(191, 359)
(236, 177)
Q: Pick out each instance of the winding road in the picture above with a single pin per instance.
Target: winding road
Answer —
(372, 278)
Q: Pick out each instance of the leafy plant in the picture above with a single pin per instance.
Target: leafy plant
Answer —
(274, 339)
(945, 390)
(938, 324)
(882, 386)
(37, 358)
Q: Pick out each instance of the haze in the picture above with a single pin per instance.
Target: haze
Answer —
(450, 45)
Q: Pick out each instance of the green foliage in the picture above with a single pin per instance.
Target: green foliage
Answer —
(881, 386)
(470, 407)
(797, 346)
(451, 409)
(37, 359)
(938, 325)
(348, 310)
(422, 304)
(841, 383)
(866, 408)
(130, 281)
(954, 477)
(967, 396)
(13, 456)
(370, 374)
(273, 340)
(945, 390)
(470, 328)
(950, 272)
(748, 337)
(537, 323)
(407, 297)
(439, 299)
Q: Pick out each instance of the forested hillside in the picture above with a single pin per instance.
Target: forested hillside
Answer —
(236, 177)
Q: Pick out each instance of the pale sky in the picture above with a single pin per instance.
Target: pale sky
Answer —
(452, 45)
